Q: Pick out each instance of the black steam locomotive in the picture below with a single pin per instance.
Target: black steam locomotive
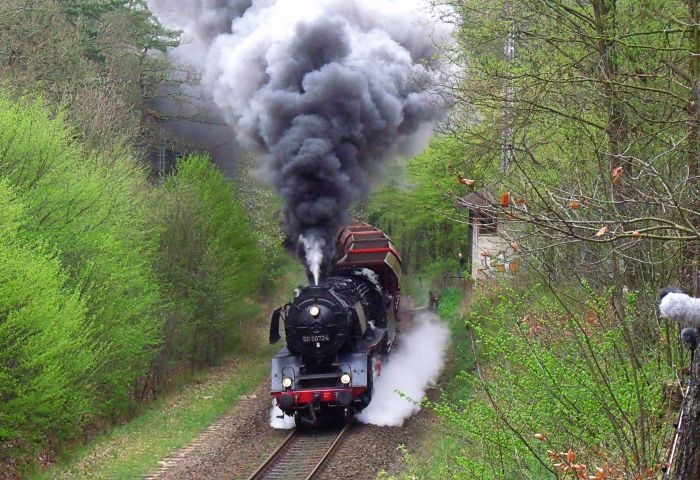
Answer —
(338, 331)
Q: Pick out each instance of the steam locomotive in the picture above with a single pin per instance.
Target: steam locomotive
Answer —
(338, 332)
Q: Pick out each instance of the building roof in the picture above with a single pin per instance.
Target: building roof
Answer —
(475, 200)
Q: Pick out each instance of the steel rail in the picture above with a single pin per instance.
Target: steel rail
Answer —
(273, 456)
(294, 458)
(330, 451)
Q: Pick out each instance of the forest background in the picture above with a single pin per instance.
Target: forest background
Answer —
(114, 278)
(577, 121)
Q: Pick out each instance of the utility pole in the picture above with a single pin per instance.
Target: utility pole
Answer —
(161, 157)
(509, 92)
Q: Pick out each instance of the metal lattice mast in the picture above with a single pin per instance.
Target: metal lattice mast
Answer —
(161, 158)
(509, 91)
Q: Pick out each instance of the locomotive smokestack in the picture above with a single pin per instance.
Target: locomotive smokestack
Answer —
(327, 92)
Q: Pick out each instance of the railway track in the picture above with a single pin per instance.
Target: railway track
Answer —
(301, 455)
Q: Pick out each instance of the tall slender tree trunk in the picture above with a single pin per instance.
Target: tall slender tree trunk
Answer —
(691, 277)
(688, 463)
(617, 132)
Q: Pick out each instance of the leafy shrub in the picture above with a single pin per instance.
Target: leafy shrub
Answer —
(94, 212)
(262, 206)
(210, 260)
(418, 212)
(48, 354)
(551, 378)
(90, 308)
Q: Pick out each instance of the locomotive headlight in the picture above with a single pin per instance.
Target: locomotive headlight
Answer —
(345, 379)
(314, 311)
(286, 382)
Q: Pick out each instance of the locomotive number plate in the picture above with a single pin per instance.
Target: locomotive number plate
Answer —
(316, 338)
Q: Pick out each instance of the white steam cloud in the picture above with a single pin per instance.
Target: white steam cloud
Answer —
(314, 255)
(284, 423)
(411, 369)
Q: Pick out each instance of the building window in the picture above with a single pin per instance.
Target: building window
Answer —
(487, 223)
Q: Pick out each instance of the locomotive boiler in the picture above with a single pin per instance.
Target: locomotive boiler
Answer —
(340, 331)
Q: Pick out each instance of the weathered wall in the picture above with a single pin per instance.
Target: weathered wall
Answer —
(492, 256)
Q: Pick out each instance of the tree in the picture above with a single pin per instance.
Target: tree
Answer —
(210, 261)
(601, 76)
(94, 211)
(48, 352)
(99, 57)
(603, 167)
(417, 210)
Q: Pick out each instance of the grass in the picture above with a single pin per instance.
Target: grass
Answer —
(527, 359)
(437, 447)
(440, 444)
(132, 450)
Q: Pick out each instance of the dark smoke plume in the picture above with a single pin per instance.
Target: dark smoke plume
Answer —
(327, 90)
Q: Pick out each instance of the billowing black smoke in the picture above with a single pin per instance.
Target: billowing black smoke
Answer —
(327, 90)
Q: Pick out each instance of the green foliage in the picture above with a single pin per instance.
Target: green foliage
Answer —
(91, 8)
(542, 369)
(99, 302)
(210, 260)
(418, 212)
(448, 307)
(52, 60)
(592, 87)
(174, 421)
(48, 352)
(263, 206)
(102, 58)
(93, 212)
(587, 107)
(83, 313)
(92, 16)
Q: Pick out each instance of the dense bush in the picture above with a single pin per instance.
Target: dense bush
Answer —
(210, 260)
(549, 378)
(107, 281)
(48, 352)
(92, 211)
(100, 57)
(418, 211)
(263, 207)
